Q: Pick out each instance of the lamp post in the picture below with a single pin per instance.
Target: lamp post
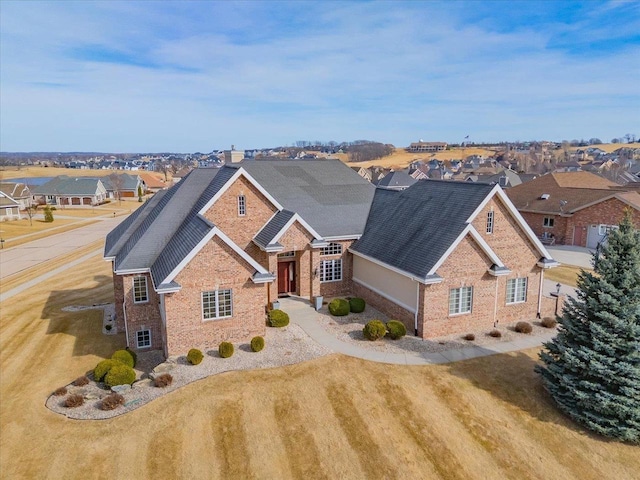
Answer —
(558, 288)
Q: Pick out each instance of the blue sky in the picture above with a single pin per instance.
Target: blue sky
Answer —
(196, 75)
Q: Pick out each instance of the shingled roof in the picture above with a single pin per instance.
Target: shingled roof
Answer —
(412, 229)
(64, 185)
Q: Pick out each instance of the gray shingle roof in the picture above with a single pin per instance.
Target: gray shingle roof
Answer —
(270, 230)
(332, 198)
(64, 185)
(399, 180)
(412, 229)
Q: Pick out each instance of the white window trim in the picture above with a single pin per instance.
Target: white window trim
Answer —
(490, 220)
(604, 229)
(242, 205)
(460, 302)
(138, 338)
(547, 220)
(517, 289)
(322, 270)
(328, 250)
(146, 290)
(217, 293)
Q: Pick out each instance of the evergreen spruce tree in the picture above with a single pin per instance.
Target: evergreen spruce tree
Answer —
(48, 214)
(592, 367)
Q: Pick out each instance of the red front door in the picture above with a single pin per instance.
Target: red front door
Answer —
(578, 233)
(286, 277)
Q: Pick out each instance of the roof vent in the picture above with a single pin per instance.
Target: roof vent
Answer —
(544, 196)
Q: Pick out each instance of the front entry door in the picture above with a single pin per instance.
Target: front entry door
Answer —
(286, 277)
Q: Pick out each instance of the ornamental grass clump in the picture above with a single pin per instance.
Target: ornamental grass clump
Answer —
(225, 349)
(396, 329)
(195, 356)
(495, 333)
(357, 305)
(163, 380)
(73, 401)
(120, 375)
(124, 357)
(278, 318)
(81, 381)
(523, 327)
(257, 344)
(60, 391)
(374, 330)
(548, 322)
(470, 337)
(111, 402)
(339, 307)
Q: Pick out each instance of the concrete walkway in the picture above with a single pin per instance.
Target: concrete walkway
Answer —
(571, 255)
(303, 314)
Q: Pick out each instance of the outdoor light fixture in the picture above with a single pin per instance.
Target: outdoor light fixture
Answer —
(558, 288)
(315, 272)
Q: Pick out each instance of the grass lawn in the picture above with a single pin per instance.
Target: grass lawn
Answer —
(335, 417)
(565, 274)
(401, 158)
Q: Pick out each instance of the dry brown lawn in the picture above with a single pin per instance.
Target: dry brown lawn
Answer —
(401, 158)
(335, 417)
(566, 274)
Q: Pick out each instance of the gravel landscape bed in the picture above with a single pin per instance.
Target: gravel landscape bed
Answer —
(283, 346)
(349, 329)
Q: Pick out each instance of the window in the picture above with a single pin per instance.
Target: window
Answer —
(143, 338)
(604, 229)
(548, 222)
(140, 294)
(216, 304)
(287, 255)
(330, 270)
(460, 300)
(332, 249)
(242, 206)
(517, 290)
(490, 222)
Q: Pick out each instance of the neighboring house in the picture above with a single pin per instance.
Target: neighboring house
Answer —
(396, 180)
(9, 208)
(72, 191)
(449, 257)
(574, 208)
(151, 182)
(18, 192)
(363, 172)
(427, 146)
(122, 185)
(198, 264)
(180, 174)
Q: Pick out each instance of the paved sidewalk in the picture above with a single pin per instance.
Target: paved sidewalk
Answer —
(303, 314)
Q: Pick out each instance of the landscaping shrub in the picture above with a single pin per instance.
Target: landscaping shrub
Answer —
(548, 322)
(524, 327)
(339, 307)
(111, 402)
(374, 330)
(163, 380)
(195, 356)
(120, 375)
(495, 333)
(396, 329)
(48, 215)
(278, 318)
(124, 357)
(81, 381)
(60, 391)
(103, 368)
(134, 355)
(357, 305)
(257, 344)
(74, 400)
(470, 337)
(225, 349)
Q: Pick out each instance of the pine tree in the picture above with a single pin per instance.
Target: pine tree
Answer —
(592, 367)
(48, 214)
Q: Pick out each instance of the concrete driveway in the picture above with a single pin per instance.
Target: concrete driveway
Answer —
(572, 255)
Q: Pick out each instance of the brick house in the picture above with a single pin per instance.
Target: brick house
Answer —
(574, 208)
(200, 262)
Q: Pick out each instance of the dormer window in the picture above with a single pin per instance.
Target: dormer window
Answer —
(242, 206)
(490, 222)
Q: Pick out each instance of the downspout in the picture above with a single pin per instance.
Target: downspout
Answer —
(495, 305)
(126, 329)
(415, 317)
(540, 292)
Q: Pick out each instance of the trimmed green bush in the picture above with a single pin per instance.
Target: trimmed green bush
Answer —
(195, 356)
(134, 355)
(357, 305)
(103, 368)
(257, 344)
(225, 349)
(48, 215)
(339, 307)
(396, 329)
(124, 357)
(374, 330)
(120, 375)
(278, 318)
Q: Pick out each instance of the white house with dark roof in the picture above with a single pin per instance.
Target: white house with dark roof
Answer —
(198, 263)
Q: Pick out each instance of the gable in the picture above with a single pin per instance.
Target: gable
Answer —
(296, 237)
(467, 260)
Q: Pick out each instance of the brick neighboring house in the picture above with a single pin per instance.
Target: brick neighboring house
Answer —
(199, 263)
(574, 208)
